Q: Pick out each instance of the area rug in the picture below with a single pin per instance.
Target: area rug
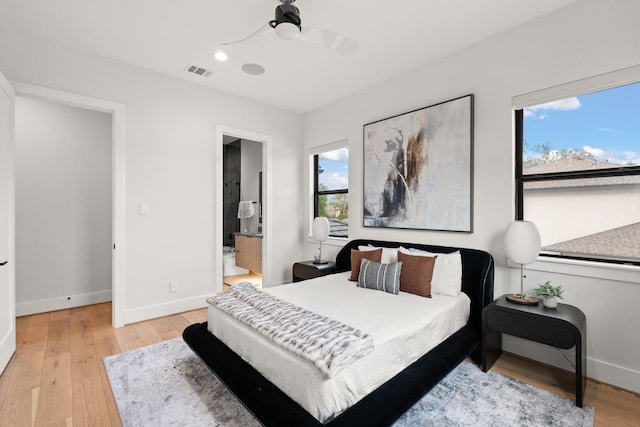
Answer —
(166, 384)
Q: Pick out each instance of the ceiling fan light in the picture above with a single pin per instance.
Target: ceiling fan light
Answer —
(287, 31)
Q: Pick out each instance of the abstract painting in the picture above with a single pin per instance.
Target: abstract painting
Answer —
(418, 169)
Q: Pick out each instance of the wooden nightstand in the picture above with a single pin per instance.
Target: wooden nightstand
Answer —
(562, 327)
(304, 270)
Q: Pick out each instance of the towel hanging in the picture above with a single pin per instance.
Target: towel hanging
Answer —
(246, 209)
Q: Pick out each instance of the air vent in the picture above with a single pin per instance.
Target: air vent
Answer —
(198, 71)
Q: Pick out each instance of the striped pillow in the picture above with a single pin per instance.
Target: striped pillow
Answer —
(381, 277)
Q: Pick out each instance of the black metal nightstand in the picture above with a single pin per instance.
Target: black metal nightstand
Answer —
(304, 270)
(562, 327)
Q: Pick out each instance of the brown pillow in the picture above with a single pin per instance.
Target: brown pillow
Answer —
(356, 256)
(416, 274)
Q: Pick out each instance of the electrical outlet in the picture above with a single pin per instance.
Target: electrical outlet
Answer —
(174, 285)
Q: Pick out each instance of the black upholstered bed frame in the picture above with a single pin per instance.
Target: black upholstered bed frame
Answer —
(383, 406)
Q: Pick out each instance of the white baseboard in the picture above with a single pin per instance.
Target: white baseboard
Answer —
(599, 370)
(7, 348)
(618, 376)
(165, 309)
(52, 304)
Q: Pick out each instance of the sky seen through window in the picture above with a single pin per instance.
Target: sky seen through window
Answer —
(604, 124)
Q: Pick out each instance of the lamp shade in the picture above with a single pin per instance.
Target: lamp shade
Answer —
(522, 240)
(320, 228)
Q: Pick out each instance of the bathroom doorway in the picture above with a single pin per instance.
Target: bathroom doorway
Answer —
(241, 208)
(241, 211)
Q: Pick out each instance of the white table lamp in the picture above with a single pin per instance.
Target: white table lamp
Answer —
(522, 241)
(320, 231)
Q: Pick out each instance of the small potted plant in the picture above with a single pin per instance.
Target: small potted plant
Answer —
(549, 293)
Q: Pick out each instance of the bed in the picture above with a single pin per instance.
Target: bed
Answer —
(387, 401)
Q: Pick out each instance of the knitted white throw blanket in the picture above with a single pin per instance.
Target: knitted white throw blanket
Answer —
(327, 343)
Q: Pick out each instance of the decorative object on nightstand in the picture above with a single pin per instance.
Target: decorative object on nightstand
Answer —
(320, 231)
(522, 241)
(549, 293)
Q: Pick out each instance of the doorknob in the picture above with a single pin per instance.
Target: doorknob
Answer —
(3, 263)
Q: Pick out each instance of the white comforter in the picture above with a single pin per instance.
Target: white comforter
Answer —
(403, 327)
(328, 344)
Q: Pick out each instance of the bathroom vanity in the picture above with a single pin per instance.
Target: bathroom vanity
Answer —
(249, 251)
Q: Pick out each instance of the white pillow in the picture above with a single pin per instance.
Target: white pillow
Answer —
(389, 255)
(447, 273)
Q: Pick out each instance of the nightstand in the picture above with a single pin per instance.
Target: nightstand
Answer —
(304, 270)
(562, 327)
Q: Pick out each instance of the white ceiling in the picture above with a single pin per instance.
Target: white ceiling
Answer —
(167, 35)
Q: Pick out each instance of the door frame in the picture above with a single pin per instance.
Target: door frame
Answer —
(267, 195)
(118, 181)
(8, 341)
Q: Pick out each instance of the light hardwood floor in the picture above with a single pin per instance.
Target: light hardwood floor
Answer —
(57, 378)
(254, 278)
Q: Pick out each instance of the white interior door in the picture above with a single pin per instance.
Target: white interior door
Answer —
(7, 225)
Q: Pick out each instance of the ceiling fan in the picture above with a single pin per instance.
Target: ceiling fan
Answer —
(288, 25)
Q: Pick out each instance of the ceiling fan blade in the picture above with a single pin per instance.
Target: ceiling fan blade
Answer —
(262, 32)
(335, 42)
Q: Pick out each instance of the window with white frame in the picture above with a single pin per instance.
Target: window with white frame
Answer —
(330, 178)
(578, 173)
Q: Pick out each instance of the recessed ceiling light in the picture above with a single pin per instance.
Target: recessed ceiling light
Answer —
(220, 56)
(253, 69)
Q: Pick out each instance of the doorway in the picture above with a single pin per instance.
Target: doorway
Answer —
(242, 203)
(242, 212)
(117, 155)
(63, 206)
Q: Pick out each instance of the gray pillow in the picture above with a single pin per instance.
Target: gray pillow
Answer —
(381, 277)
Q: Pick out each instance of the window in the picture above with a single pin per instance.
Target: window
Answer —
(578, 174)
(331, 189)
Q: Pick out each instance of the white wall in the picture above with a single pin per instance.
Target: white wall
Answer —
(582, 40)
(170, 158)
(63, 206)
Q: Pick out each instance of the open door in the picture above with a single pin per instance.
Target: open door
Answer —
(7, 225)
(263, 194)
